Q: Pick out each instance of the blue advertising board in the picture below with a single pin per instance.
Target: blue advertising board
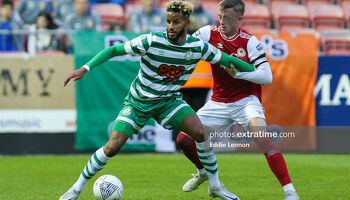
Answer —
(332, 91)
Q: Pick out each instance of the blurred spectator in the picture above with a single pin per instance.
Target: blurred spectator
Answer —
(150, 18)
(83, 18)
(41, 40)
(120, 2)
(63, 8)
(6, 24)
(193, 26)
(117, 26)
(201, 16)
(28, 10)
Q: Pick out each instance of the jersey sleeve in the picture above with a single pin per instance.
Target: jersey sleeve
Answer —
(210, 53)
(256, 52)
(138, 45)
(203, 33)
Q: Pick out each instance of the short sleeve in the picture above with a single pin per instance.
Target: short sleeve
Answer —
(138, 45)
(203, 33)
(256, 52)
(210, 53)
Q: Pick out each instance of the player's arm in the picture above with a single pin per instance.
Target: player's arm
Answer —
(100, 58)
(239, 64)
(257, 56)
(214, 55)
(203, 33)
(137, 45)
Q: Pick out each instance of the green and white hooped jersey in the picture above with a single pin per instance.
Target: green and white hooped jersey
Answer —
(165, 67)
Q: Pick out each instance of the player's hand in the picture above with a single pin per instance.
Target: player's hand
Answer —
(231, 70)
(75, 75)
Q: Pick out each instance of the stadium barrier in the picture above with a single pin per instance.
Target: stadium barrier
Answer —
(32, 96)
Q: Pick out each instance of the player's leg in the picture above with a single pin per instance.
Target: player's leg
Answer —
(211, 114)
(196, 98)
(96, 163)
(206, 153)
(188, 146)
(251, 117)
(191, 125)
(189, 149)
(127, 123)
(274, 158)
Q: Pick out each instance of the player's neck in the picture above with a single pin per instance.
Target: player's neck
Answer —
(232, 33)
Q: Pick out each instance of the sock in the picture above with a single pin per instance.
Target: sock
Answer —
(97, 161)
(278, 167)
(207, 157)
(188, 147)
(288, 187)
(202, 171)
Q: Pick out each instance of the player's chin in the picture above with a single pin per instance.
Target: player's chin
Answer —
(172, 35)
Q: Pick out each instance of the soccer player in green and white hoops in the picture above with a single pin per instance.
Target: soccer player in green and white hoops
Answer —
(168, 59)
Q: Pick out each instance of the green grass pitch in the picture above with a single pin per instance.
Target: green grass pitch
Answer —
(161, 176)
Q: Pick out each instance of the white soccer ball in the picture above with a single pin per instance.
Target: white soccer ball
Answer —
(108, 187)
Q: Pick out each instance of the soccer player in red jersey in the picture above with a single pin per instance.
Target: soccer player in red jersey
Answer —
(236, 95)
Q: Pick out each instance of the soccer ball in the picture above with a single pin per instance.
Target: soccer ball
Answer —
(108, 187)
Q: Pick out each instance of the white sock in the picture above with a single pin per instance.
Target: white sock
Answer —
(208, 159)
(202, 171)
(97, 162)
(80, 184)
(288, 187)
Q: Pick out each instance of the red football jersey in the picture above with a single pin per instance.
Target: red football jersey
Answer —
(226, 88)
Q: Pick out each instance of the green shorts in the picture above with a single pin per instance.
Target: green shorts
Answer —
(169, 113)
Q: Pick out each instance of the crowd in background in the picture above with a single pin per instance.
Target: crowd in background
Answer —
(40, 17)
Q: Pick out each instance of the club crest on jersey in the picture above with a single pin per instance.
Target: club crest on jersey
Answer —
(241, 52)
(126, 111)
(189, 55)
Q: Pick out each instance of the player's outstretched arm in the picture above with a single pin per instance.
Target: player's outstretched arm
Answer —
(262, 74)
(100, 58)
(75, 75)
(239, 64)
(105, 55)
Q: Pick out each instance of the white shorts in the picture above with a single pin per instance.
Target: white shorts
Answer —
(215, 114)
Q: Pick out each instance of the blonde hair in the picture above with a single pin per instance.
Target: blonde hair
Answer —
(183, 7)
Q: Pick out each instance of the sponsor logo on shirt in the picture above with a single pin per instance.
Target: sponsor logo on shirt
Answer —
(220, 46)
(259, 47)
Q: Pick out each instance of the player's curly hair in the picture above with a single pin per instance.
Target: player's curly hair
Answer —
(183, 7)
(237, 5)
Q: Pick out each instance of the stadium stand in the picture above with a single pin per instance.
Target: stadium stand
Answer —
(335, 45)
(275, 4)
(129, 7)
(313, 3)
(256, 17)
(109, 13)
(346, 9)
(211, 6)
(327, 17)
(291, 17)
